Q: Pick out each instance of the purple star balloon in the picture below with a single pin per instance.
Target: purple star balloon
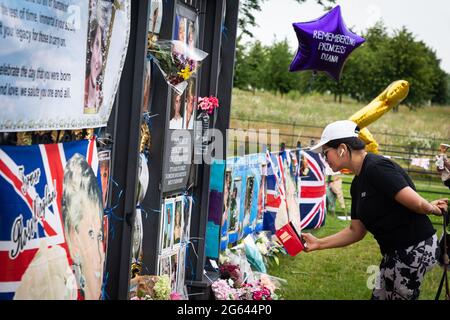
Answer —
(324, 44)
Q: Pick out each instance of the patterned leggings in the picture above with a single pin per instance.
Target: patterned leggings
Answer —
(402, 272)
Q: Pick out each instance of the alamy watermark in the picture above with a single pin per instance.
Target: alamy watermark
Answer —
(373, 280)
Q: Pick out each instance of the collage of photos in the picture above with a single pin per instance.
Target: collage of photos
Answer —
(173, 229)
(182, 111)
(172, 224)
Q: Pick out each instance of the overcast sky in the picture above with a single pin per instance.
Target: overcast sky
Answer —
(428, 20)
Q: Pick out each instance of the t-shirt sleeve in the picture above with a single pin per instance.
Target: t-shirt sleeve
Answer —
(386, 178)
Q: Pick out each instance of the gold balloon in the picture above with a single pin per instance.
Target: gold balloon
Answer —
(391, 97)
(367, 137)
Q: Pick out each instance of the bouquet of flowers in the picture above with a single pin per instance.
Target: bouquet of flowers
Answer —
(208, 104)
(176, 61)
(269, 249)
(262, 289)
(231, 271)
(152, 288)
(255, 292)
(224, 291)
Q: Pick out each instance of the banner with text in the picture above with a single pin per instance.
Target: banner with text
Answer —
(60, 62)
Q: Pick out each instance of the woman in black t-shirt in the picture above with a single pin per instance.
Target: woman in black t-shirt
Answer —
(385, 203)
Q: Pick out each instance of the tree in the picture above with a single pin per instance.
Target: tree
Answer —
(278, 78)
(241, 73)
(256, 62)
(250, 64)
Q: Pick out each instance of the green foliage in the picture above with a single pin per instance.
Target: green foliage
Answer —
(276, 75)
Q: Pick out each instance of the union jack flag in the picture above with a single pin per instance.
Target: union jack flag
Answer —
(275, 189)
(31, 183)
(312, 192)
(311, 188)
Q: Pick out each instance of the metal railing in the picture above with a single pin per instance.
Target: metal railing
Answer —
(402, 153)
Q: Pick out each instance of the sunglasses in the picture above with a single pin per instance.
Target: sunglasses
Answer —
(324, 152)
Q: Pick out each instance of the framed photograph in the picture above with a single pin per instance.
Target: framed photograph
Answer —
(186, 24)
(190, 104)
(176, 111)
(147, 86)
(100, 12)
(104, 163)
(164, 266)
(181, 268)
(248, 201)
(167, 225)
(192, 34)
(154, 21)
(178, 224)
(262, 193)
(174, 271)
(235, 203)
(180, 28)
(187, 209)
(226, 203)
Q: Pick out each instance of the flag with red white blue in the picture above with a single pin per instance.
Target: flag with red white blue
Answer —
(31, 188)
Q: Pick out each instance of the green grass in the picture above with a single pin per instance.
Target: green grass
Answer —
(329, 274)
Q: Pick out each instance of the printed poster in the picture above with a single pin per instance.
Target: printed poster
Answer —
(60, 62)
(51, 222)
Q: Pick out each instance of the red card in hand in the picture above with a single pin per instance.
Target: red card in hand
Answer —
(290, 239)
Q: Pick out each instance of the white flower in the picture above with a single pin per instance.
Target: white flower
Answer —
(262, 248)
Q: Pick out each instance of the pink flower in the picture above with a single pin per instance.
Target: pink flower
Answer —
(267, 283)
(257, 295)
(208, 104)
(266, 292)
(222, 291)
(175, 296)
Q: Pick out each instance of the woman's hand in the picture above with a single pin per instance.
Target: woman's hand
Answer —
(442, 204)
(311, 242)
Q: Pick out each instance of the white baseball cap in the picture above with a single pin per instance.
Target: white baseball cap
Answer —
(336, 130)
